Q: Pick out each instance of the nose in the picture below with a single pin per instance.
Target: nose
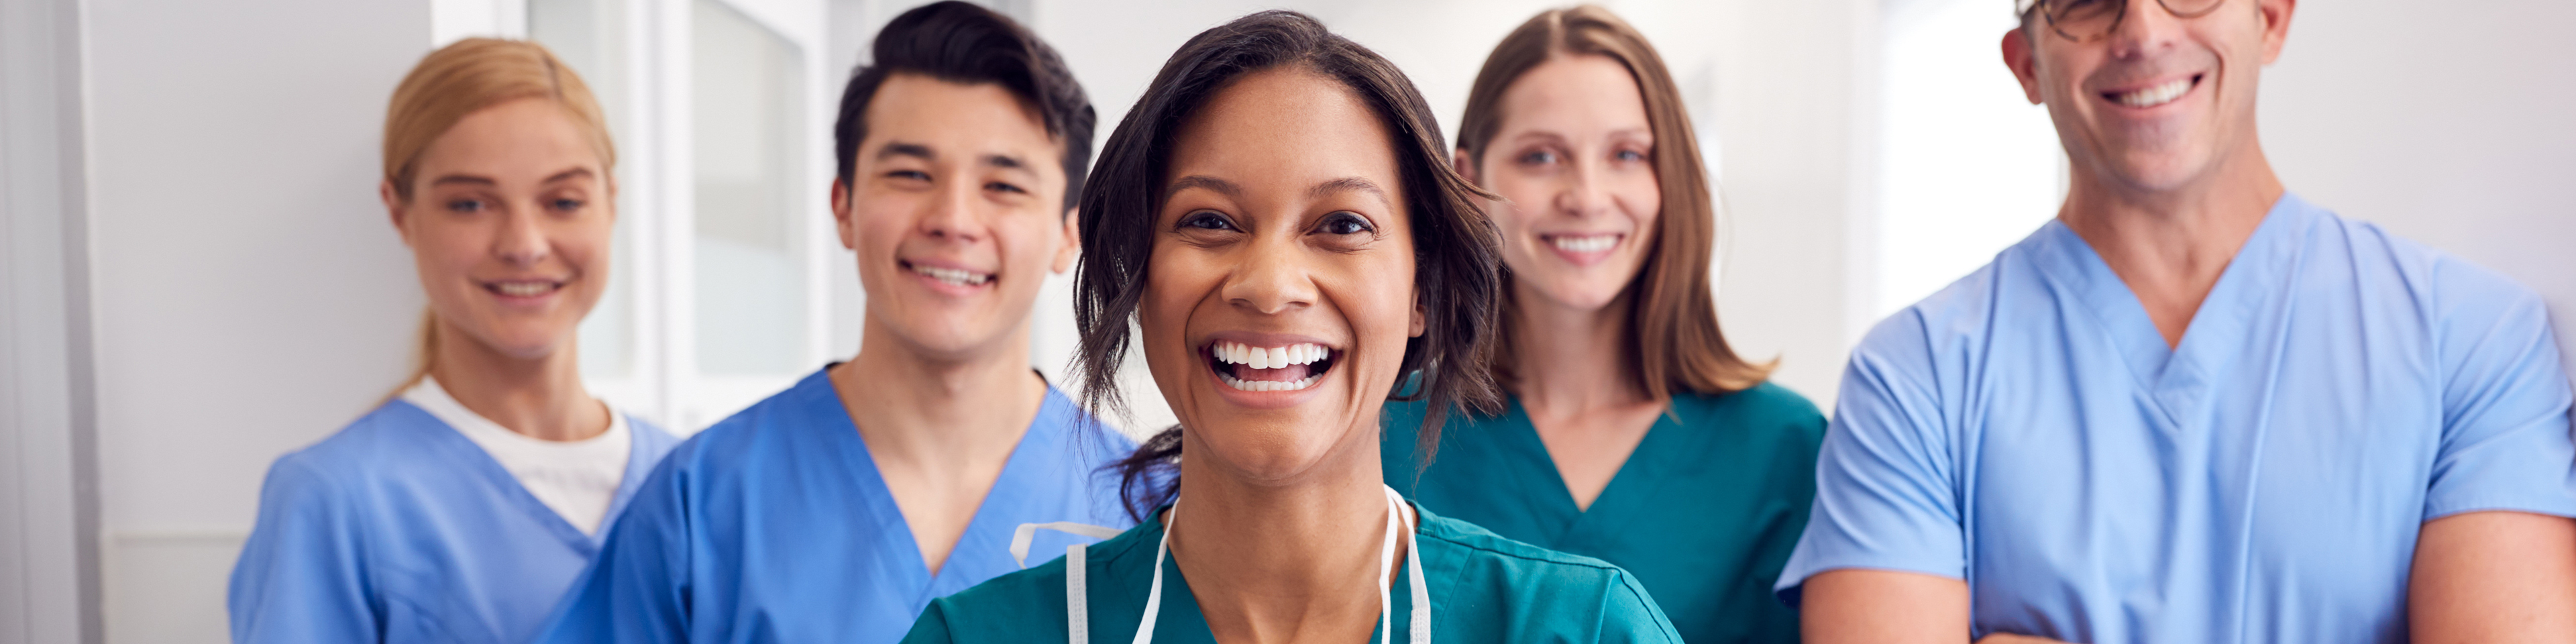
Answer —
(522, 240)
(1582, 195)
(2144, 28)
(1271, 279)
(953, 215)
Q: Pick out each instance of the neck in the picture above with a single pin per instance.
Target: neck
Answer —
(1568, 360)
(926, 408)
(1294, 562)
(2169, 246)
(540, 397)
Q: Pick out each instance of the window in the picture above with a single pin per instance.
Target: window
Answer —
(719, 278)
(1968, 167)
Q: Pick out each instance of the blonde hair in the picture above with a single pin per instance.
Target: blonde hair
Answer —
(461, 79)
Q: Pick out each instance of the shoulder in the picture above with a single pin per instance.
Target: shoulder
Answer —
(2460, 295)
(387, 443)
(773, 424)
(1002, 609)
(1768, 411)
(1575, 589)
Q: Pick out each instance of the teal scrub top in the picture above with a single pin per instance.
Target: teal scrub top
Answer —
(1705, 512)
(1484, 588)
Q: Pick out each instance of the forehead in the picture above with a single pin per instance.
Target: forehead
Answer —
(1285, 129)
(960, 118)
(1586, 88)
(522, 137)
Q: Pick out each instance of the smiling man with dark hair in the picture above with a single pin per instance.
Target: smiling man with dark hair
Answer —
(836, 510)
(2195, 407)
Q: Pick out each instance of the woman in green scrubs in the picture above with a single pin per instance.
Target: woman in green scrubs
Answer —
(1632, 433)
(1276, 221)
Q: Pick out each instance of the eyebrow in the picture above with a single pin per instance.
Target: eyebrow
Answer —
(1347, 184)
(1221, 186)
(899, 149)
(574, 173)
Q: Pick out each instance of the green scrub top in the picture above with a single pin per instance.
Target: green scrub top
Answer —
(1484, 588)
(1705, 511)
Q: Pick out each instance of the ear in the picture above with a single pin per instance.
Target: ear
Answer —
(1465, 165)
(841, 214)
(1416, 327)
(2023, 62)
(2276, 26)
(394, 210)
(1072, 248)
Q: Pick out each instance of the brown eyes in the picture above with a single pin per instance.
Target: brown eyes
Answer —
(1342, 222)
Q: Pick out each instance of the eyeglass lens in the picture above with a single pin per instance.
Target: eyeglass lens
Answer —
(2086, 20)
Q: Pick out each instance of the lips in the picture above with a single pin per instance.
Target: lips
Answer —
(2154, 95)
(952, 276)
(1287, 367)
(523, 287)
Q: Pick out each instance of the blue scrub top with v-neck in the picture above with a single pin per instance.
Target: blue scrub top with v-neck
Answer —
(1483, 588)
(775, 526)
(1704, 511)
(399, 529)
(2027, 430)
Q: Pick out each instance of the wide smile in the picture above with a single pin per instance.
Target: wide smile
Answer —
(950, 276)
(1251, 368)
(2154, 95)
(523, 289)
(1585, 248)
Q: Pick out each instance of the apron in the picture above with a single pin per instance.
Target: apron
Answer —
(1076, 589)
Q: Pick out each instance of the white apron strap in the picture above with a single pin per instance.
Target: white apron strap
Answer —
(1077, 596)
(1027, 532)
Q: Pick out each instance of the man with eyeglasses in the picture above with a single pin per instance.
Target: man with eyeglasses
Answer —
(2194, 407)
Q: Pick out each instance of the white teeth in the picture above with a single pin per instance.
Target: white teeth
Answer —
(2158, 95)
(524, 289)
(1270, 357)
(953, 276)
(1585, 243)
(1269, 385)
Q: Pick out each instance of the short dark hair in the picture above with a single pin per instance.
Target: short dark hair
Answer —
(1456, 249)
(962, 43)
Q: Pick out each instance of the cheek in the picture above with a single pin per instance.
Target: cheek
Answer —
(1642, 197)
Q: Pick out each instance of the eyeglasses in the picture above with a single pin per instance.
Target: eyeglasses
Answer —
(2090, 20)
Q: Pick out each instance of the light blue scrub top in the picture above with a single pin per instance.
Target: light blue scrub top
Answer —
(1483, 588)
(774, 526)
(400, 529)
(2027, 430)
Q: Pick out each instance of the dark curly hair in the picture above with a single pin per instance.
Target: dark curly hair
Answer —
(1455, 252)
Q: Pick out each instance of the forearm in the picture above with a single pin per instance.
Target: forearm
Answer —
(2494, 577)
(1859, 606)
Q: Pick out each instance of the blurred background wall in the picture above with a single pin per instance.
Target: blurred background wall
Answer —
(199, 277)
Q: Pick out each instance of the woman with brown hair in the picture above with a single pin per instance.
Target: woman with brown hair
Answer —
(1276, 220)
(462, 508)
(1631, 432)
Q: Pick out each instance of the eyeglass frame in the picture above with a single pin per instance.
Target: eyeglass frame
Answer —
(2122, 13)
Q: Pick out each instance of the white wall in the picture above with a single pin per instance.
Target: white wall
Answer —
(250, 295)
(2448, 123)
(1771, 87)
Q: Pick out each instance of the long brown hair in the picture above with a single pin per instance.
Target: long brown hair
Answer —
(1672, 313)
(1455, 246)
(461, 79)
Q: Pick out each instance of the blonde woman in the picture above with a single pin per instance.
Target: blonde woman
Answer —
(461, 509)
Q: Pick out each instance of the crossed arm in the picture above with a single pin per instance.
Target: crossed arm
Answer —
(2478, 577)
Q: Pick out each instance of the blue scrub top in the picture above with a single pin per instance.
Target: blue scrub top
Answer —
(774, 526)
(2028, 430)
(400, 529)
(1484, 588)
